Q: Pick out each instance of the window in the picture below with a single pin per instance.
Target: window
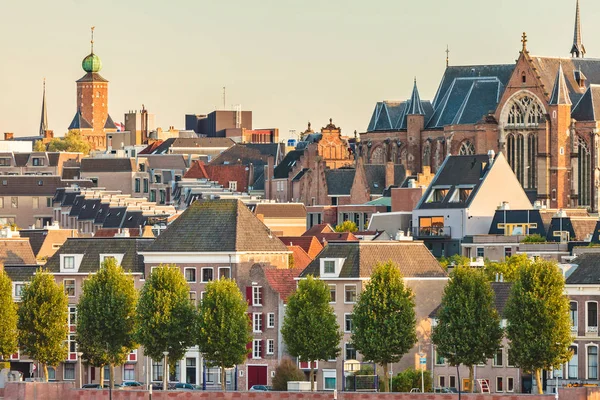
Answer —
(466, 149)
(329, 376)
(193, 297)
(256, 348)
(499, 384)
(145, 185)
(329, 267)
(157, 178)
(441, 381)
(233, 186)
(332, 293)
(573, 364)
(35, 202)
(437, 195)
(271, 320)
(129, 372)
(190, 274)
(157, 371)
(69, 371)
(452, 380)
(256, 296)
(347, 322)
(592, 316)
(257, 320)
(207, 274)
(510, 384)
(1, 202)
(163, 196)
(68, 262)
(573, 314)
(499, 357)
(48, 202)
(507, 252)
(142, 167)
(51, 373)
(69, 285)
(270, 346)
(38, 162)
(137, 185)
(72, 315)
(224, 273)
(350, 351)
(480, 252)
(439, 360)
(592, 361)
(5, 162)
(350, 293)
(153, 195)
(19, 290)
(431, 226)
(190, 367)
(584, 175)
(14, 202)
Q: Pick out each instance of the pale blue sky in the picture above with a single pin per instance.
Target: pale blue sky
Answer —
(287, 61)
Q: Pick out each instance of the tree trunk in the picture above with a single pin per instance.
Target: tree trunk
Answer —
(471, 379)
(111, 381)
(385, 377)
(538, 381)
(223, 380)
(312, 377)
(45, 366)
(101, 376)
(166, 373)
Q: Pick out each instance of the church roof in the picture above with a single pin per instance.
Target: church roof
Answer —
(588, 107)
(560, 92)
(92, 77)
(415, 108)
(391, 115)
(109, 124)
(79, 122)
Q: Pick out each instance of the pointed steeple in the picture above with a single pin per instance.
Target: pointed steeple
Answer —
(560, 92)
(44, 117)
(578, 49)
(415, 107)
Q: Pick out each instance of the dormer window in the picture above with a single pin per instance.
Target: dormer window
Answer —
(461, 194)
(438, 194)
(38, 162)
(331, 267)
(68, 262)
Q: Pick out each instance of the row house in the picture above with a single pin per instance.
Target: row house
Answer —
(283, 219)
(347, 267)
(36, 163)
(188, 190)
(157, 175)
(235, 177)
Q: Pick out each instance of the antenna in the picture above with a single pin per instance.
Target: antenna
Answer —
(224, 98)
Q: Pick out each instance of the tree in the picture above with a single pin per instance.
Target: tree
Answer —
(346, 226)
(8, 318)
(539, 326)
(468, 326)
(310, 329)
(453, 261)
(165, 316)
(384, 321)
(39, 146)
(106, 317)
(223, 330)
(286, 371)
(43, 320)
(410, 378)
(72, 141)
(507, 269)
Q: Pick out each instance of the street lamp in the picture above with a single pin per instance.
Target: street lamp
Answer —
(80, 369)
(422, 365)
(165, 371)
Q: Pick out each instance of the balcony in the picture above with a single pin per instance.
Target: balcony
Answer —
(431, 232)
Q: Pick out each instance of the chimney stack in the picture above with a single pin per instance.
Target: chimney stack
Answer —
(491, 155)
(9, 136)
(389, 174)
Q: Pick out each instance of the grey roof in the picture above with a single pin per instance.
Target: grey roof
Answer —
(107, 164)
(361, 258)
(415, 106)
(578, 48)
(79, 122)
(198, 142)
(217, 226)
(282, 170)
(375, 174)
(77, 205)
(256, 154)
(89, 209)
(588, 107)
(101, 212)
(588, 270)
(33, 185)
(91, 248)
(339, 181)
(20, 274)
(166, 161)
(114, 217)
(560, 92)
(391, 115)
(109, 124)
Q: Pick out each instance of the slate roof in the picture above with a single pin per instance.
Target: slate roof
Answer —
(166, 161)
(375, 174)
(36, 238)
(29, 185)
(101, 212)
(361, 258)
(92, 77)
(91, 248)
(109, 124)
(588, 107)
(89, 210)
(501, 294)
(281, 210)
(391, 115)
(282, 280)
(16, 251)
(339, 181)
(518, 216)
(114, 217)
(587, 271)
(21, 159)
(217, 226)
(309, 244)
(20, 274)
(79, 122)
(284, 168)
(256, 154)
(336, 237)
(77, 205)
(107, 165)
(560, 92)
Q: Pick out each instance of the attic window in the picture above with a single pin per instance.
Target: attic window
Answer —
(40, 183)
(523, 78)
(438, 195)
(461, 194)
(4, 182)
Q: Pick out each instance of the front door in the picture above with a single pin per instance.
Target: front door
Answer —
(257, 375)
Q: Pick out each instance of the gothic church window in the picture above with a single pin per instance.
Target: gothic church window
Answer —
(521, 152)
(584, 178)
(377, 156)
(525, 111)
(466, 149)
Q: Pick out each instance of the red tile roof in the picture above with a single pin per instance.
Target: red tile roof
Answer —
(282, 280)
(301, 259)
(151, 147)
(309, 244)
(222, 173)
(320, 228)
(336, 237)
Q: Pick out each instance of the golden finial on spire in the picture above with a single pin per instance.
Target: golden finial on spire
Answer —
(524, 41)
(447, 56)
(92, 41)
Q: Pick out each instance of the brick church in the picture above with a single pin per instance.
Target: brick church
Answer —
(543, 113)
(92, 120)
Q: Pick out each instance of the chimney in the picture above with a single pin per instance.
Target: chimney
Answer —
(9, 136)
(389, 174)
(48, 134)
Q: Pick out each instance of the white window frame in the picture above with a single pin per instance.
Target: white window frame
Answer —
(568, 376)
(195, 299)
(587, 365)
(355, 293)
(195, 274)
(202, 274)
(233, 186)
(346, 315)
(329, 373)
(257, 322)
(20, 285)
(495, 360)
(510, 378)
(587, 327)
(222, 268)
(575, 327)
(74, 287)
(256, 349)
(499, 378)
(257, 296)
(65, 370)
(482, 251)
(335, 291)
(128, 380)
(69, 257)
(271, 320)
(270, 346)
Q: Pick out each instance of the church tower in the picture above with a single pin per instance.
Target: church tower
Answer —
(44, 116)
(92, 119)
(578, 49)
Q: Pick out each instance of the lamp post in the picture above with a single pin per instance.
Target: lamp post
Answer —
(422, 365)
(80, 379)
(165, 371)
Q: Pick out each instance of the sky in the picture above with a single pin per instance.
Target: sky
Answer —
(288, 61)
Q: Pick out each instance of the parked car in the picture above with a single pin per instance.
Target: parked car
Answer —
(184, 386)
(133, 385)
(261, 388)
(97, 386)
(445, 390)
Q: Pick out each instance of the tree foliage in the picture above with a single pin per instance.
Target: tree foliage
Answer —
(507, 268)
(8, 318)
(539, 326)
(384, 321)
(455, 260)
(468, 329)
(286, 371)
(534, 238)
(72, 142)
(223, 330)
(165, 315)
(346, 226)
(411, 378)
(39, 146)
(43, 320)
(310, 329)
(106, 317)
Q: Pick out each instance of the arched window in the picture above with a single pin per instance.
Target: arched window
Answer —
(427, 154)
(584, 178)
(532, 161)
(377, 155)
(521, 153)
(466, 149)
(525, 111)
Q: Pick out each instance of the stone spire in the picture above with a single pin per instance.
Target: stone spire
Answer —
(44, 117)
(415, 107)
(560, 92)
(578, 49)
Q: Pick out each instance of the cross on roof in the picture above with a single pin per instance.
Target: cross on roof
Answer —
(524, 41)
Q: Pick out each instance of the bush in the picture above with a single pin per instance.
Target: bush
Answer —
(285, 372)
(535, 238)
(411, 378)
(351, 383)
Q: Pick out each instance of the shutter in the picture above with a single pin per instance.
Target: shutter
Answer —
(250, 320)
(249, 295)
(249, 347)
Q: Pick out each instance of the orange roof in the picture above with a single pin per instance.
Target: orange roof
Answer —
(301, 259)
(309, 244)
(336, 237)
(320, 228)
(151, 147)
(282, 280)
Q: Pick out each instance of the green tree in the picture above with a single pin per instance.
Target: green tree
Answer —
(468, 326)
(286, 371)
(410, 378)
(537, 311)
(72, 142)
(106, 317)
(43, 320)
(223, 329)
(346, 226)
(384, 321)
(455, 260)
(39, 146)
(8, 318)
(507, 269)
(310, 329)
(165, 315)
